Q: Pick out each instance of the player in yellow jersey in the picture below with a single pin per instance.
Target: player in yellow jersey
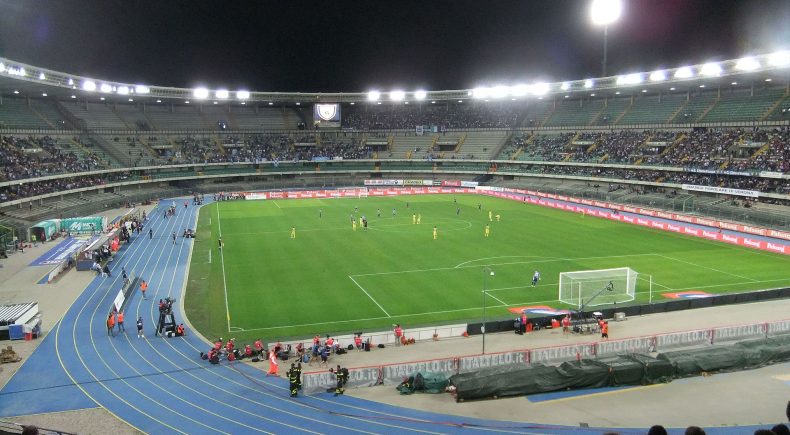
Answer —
(414, 218)
(498, 217)
(293, 232)
(490, 216)
(435, 233)
(488, 230)
(419, 218)
(354, 225)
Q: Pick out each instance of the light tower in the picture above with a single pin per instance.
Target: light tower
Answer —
(603, 13)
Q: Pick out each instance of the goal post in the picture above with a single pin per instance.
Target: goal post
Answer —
(598, 287)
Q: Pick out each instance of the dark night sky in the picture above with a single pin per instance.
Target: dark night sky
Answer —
(338, 45)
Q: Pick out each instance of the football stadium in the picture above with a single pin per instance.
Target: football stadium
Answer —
(565, 246)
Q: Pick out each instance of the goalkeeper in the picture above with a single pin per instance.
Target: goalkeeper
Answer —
(535, 278)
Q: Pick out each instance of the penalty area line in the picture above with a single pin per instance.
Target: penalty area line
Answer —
(371, 297)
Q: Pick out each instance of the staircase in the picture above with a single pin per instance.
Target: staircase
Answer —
(678, 111)
(707, 109)
(674, 144)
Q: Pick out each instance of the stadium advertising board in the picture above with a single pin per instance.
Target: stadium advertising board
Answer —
(326, 115)
(627, 345)
(477, 362)
(722, 190)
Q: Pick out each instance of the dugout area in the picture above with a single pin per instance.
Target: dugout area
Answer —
(620, 370)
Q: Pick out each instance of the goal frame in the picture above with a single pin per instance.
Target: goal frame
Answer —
(573, 292)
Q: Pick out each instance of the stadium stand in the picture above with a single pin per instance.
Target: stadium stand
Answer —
(651, 109)
(575, 113)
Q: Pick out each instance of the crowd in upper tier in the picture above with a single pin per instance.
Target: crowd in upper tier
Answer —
(730, 153)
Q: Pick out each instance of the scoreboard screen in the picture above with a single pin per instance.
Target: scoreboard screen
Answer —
(326, 115)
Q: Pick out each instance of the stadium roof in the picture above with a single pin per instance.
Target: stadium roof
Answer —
(31, 81)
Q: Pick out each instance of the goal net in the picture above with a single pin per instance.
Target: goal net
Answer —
(598, 287)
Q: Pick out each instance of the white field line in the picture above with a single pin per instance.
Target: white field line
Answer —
(552, 259)
(222, 260)
(334, 322)
(495, 298)
(504, 256)
(371, 297)
(706, 267)
(278, 205)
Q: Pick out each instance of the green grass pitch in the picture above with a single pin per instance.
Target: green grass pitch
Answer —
(330, 279)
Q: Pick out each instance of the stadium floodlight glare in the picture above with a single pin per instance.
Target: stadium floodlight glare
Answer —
(374, 95)
(73, 96)
(747, 64)
(42, 76)
(500, 91)
(397, 95)
(101, 98)
(711, 69)
(605, 12)
(629, 79)
(222, 94)
(131, 100)
(2, 67)
(520, 90)
(658, 76)
(541, 88)
(71, 82)
(684, 72)
(89, 85)
(481, 92)
(105, 87)
(142, 89)
(44, 94)
(420, 95)
(272, 104)
(186, 102)
(158, 101)
(200, 93)
(123, 90)
(243, 95)
(779, 58)
(588, 83)
(16, 91)
(565, 86)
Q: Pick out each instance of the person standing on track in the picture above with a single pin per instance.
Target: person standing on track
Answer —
(140, 327)
(292, 379)
(272, 364)
(174, 237)
(111, 324)
(150, 234)
(143, 288)
(120, 322)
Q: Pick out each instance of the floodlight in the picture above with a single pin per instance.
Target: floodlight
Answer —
(617, 93)
(130, 100)
(702, 86)
(499, 91)
(2, 67)
(15, 91)
(243, 95)
(671, 89)
(644, 90)
(420, 95)
(158, 101)
(123, 90)
(779, 58)
(105, 87)
(101, 98)
(684, 72)
(658, 76)
(374, 95)
(271, 104)
(520, 90)
(588, 83)
(200, 93)
(406, 103)
(629, 79)
(397, 95)
(89, 85)
(433, 102)
(41, 76)
(71, 82)
(460, 101)
(186, 102)
(605, 12)
(222, 94)
(215, 102)
(142, 89)
(44, 94)
(734, 83)
(540, 88)
(243, 103)
(298, 104)
(481, 92)
(379, 103)
(565, 86)
(747, 64)
(768, 80)
(711, 69)
(73, 96)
